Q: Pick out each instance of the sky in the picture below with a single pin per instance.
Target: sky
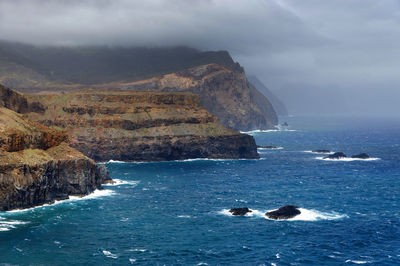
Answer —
(319, 57)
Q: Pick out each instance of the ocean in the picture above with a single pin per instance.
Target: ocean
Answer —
(176, 213)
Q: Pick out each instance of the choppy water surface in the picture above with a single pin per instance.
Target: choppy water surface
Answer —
(177, 212)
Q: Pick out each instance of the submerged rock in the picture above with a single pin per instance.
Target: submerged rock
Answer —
(321, 151)
(336, 155)
(239, 211)
(285, 212)
(361, 156)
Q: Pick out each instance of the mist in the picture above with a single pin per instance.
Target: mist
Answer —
(319, 57)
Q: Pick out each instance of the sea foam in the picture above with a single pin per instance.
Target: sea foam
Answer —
(305, 215)
(119, 182)
(346, 159)
(95, 194)
(267, 131)
(266, 149)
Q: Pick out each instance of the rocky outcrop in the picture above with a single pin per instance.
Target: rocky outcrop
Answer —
(141, 126)
(224, 92)
(285, 212)
(17, 102)
(37, 166)
(361, 156)
(336, 155)
(240, 211)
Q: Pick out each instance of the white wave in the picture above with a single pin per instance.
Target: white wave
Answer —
(314, 215)
(132, 260)
(327, 153)
(346, 159)
(119, 182)
(137, 250)
(108, 254)
(184, 216)
(305, 215)
(95, 194)
(178, 161)
(115, 161)
(267, 131)
(11, 224)
(274, 148)
(358, 261)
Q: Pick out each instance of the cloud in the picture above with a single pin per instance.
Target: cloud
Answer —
(313, 46)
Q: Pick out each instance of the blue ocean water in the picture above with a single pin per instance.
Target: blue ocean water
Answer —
(176, 212)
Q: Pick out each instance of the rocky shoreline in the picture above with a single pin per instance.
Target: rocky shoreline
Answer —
(37, 166)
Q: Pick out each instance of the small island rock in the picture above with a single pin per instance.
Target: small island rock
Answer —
(361, 156)
(239, 211)
(336, 155)
(285, 212)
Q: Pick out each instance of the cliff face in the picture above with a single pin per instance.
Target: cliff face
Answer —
(37, 166)
(220, 82)
(141, 126)
(224, 92)
(278, 105)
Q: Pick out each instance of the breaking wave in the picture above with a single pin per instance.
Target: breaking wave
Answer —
(346, 159)
(95, 194)
(305, 215)
(119, 182)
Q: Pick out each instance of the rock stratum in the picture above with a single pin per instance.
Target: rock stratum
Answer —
(220, 82)
(224, 91)
(37, 166)
(141, 126)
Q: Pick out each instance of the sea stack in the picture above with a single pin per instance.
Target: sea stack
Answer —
(240, 211)
(285, 212)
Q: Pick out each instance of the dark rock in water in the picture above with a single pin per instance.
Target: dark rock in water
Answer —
(336, 155)
(361, 156)
(267, 147)
(285, 124)
(321, 151)
(285, 212)
(239, 211)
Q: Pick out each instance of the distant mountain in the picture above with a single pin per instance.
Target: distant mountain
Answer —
(26, 66)
(278, 105)
(220, 82)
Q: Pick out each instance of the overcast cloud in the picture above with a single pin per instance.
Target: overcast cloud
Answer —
(318, 56)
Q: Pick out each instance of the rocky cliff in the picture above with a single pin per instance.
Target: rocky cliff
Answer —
(37, 166)
(141, 126)
(278, 105)
(224, 92)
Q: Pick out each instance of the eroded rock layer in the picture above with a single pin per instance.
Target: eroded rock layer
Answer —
(224, 92)
(141, 126)
(37, 166)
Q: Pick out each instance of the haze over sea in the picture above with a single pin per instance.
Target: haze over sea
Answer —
(176, 212)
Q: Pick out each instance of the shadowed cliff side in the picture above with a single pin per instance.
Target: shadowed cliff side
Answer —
(278, 105)
(141, 126)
